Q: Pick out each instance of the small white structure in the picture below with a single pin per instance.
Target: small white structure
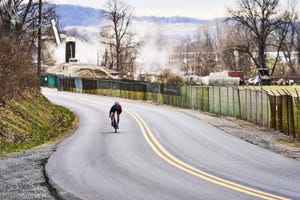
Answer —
(220, 79)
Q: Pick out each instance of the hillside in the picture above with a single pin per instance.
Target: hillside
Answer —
(31, 121)
(71, 15)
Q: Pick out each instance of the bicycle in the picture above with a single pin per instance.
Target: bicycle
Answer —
(114, 124)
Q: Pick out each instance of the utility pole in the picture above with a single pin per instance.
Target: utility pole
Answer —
(39, 40)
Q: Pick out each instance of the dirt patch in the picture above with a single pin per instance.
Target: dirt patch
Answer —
(90, 73)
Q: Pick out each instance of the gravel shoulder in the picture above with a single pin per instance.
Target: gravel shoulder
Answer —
(22, 174)
(270, 139)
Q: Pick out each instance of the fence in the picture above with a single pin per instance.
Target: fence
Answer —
(277, 111)
(285, 114)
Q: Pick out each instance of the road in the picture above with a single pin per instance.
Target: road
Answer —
(161, 153)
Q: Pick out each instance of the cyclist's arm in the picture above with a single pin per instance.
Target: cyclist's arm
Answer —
(110, 111)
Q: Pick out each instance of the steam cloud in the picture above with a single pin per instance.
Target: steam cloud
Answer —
(158, 44)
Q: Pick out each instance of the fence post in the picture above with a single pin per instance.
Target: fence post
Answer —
(213, 99)
(250, 103)
(191, 92)
(256, 103)
(239, 102)
(233, 101)
(246, 105)
(158, 95)
(290, 113)
(280, 113)
(191, 98)
(268, 111)
(292, 116)
(227, 98)
(197, 98)
(261, 107)
(202, 99)
(186, 97)
(220, 101)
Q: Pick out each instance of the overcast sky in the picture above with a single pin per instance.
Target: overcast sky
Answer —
(204, 9)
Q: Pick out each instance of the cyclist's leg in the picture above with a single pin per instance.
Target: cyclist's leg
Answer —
(118, 118)
(112, 118)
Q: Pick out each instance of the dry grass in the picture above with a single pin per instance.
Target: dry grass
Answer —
(32, 121)
(288, 142)
(294, 90)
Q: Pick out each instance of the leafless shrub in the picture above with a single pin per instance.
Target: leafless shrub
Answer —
(17, 73)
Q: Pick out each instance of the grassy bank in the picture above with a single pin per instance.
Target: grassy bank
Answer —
(30, 121)
(294, 90)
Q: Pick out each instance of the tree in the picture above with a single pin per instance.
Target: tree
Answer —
(16, 72)
(230, 56)
(185, 50)
(197, 55)
(21, 20)
(259, 19)
(290, 44)
(19, 24)
(208, 50)
(115, 34)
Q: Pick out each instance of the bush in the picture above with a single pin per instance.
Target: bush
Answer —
(17, 73)
(175, 79)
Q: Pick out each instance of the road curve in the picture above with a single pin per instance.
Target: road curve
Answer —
(161, 153)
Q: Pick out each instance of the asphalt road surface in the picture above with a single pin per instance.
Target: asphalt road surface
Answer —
(161, 153)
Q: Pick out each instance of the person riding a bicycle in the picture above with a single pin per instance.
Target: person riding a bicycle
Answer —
(115, 108)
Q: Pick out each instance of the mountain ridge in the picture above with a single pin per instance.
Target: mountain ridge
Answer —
(74, 15)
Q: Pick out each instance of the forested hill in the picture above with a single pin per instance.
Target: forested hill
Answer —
(71, 15)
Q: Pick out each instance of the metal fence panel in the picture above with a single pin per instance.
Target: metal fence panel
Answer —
(265, 109)
(279, 112)
(296, 115)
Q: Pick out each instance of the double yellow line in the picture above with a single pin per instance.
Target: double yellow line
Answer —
(166, 156)
(169, 158)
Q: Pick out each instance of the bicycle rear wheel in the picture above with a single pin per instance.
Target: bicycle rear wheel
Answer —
(115, 124)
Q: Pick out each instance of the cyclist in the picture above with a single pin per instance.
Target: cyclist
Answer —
(115, 108)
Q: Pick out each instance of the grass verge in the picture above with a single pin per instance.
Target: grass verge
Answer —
(32, 120)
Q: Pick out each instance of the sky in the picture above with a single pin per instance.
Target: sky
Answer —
(202, 9)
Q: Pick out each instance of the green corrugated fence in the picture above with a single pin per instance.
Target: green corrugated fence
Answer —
(257, 106)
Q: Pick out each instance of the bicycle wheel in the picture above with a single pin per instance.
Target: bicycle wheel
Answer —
(115, 124)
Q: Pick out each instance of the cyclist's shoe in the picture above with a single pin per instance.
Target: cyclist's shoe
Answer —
(117, 126)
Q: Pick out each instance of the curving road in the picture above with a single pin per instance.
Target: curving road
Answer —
(161, 153)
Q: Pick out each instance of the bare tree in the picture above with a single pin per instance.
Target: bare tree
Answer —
(259, 19)
(20, 19)
(18, 32)
(209, 53)
(204, 53)
(16, 72)
(231, 57)
(291, 29)
(184, 55)
(116, 35)
(197, 55)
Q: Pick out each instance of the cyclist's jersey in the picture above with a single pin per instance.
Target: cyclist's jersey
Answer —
(116, 108)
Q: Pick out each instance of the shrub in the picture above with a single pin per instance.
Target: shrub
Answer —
(17, 73)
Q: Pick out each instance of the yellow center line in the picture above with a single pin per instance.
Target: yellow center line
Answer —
(169, 158)
(165, 155)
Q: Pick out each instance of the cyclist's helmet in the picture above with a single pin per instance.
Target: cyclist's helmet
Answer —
(118, 105)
